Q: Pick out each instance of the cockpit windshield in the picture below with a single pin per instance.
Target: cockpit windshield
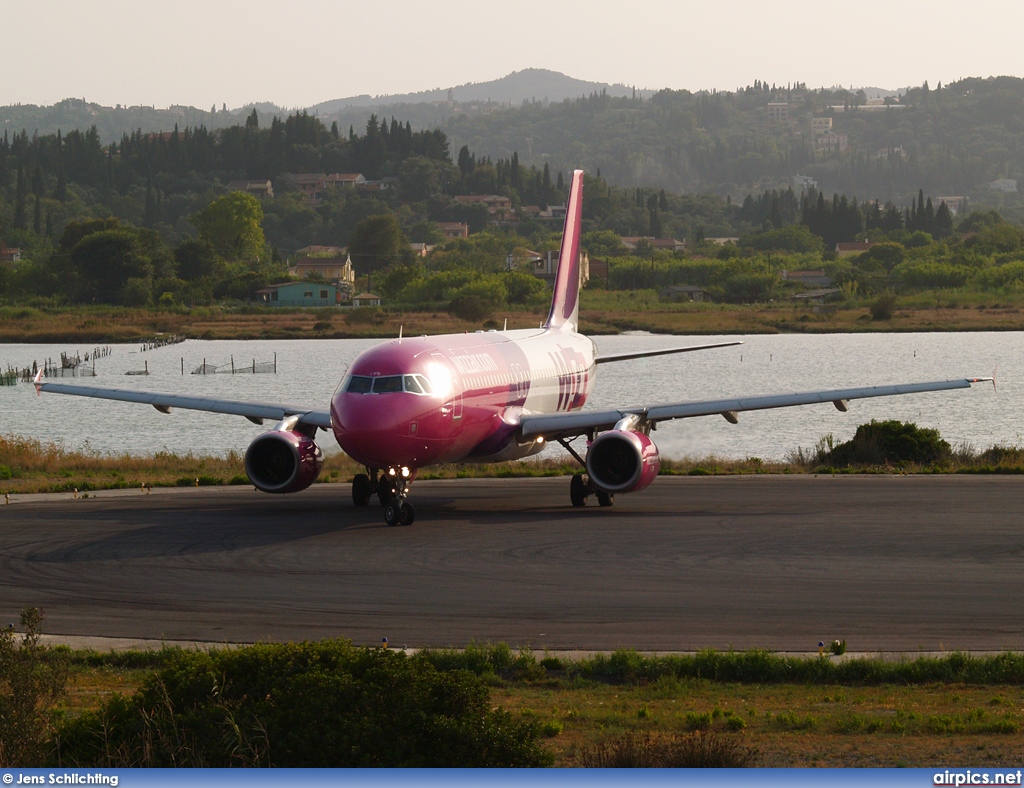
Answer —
(388, 384)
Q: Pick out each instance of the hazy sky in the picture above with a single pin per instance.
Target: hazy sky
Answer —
(302, 52)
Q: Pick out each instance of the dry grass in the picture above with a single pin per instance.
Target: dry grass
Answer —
(32, 466)
(605, 315)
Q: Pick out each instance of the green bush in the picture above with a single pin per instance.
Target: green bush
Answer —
(32, 680)
(326, 704)
(883, 442)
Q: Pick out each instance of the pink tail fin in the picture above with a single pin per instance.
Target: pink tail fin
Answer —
(565, 303)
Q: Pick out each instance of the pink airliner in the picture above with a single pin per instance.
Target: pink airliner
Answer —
(484, 397)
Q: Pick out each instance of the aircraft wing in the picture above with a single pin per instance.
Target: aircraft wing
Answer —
(256, 412)
(567, 425)
(662, 352)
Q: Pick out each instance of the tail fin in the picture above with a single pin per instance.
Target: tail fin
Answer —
(565, 303)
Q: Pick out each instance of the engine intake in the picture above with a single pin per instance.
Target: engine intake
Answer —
(283, 461)
(623, 461)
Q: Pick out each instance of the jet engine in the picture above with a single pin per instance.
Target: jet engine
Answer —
(622, 461)
(283, 461)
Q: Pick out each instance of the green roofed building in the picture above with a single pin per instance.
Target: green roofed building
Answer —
(300, 294)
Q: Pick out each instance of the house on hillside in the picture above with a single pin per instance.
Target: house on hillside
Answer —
(631, 242)
(848, 248)
(454, 229)
(300, 294)
(545, 266)
(259, 188)
(345, 179)
(9, 254)
(1004, 185)
(817, 279)
(336, 268)
(683, 293)
(310, 184)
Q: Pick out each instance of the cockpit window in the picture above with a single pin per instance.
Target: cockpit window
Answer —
(359, 384)
(387, 385)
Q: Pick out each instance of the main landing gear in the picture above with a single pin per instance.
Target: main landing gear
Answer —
(581, 487)
(391, 489)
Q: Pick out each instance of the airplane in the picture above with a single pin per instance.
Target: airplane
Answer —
(483, 397)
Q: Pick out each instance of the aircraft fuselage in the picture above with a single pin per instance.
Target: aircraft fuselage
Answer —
(414, 402)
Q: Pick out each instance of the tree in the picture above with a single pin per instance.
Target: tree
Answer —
(378, 242)
(196, 258)
(107, 261)
(232, 225)
(20, 201)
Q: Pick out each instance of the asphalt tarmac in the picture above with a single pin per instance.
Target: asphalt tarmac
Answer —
(888, 563)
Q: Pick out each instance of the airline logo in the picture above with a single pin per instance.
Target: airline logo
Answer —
(474, 363)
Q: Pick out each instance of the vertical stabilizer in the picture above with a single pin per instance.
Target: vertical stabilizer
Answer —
(565, 303)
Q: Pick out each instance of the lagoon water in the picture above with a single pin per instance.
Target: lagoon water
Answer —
(310, 370)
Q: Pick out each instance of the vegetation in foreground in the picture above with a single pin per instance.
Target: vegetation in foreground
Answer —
(492, 705)
(28, 465)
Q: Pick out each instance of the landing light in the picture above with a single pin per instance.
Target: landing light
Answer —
(391, 471)
(405, 473)
(540, 440)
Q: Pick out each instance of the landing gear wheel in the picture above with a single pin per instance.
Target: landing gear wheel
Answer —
(605, 498)
(386, 491)
(578, 490)
(406, 514)
(361, 490)
(392, 514)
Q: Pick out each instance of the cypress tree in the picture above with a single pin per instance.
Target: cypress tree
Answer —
(61, 192)
(37, 217)
(38, 181)
(20, 196)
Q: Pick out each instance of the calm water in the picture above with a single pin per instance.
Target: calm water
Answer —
(309, 371)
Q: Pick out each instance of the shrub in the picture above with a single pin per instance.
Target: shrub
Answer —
(326, 704)
(473, 308)
(880, 442)
(838, 647)
(883, 307)
(665, 751)
(32, 680)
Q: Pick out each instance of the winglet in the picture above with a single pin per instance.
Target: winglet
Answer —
(37, 381)
(565, 302)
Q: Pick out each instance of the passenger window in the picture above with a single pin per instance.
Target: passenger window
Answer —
(412, 385)
(388, 385)
(359, 384)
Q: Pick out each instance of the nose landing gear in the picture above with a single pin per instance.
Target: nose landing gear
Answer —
(392, 489)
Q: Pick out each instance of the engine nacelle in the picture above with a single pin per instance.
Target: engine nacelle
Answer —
(283, 461)
(622, 461)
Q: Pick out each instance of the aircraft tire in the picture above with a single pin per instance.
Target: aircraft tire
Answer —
(385, 492)
(406, 514)
(578, 490)
(361, 490)
(605, 498)
(392, 514)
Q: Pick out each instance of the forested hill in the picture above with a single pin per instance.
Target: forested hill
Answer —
(950, 140)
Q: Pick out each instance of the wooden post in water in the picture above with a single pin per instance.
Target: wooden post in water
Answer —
(232, 365)
(275, 363)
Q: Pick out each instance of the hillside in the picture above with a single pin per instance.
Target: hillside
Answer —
(530, 84)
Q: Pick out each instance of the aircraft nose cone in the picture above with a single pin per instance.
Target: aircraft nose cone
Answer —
(379, 430)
